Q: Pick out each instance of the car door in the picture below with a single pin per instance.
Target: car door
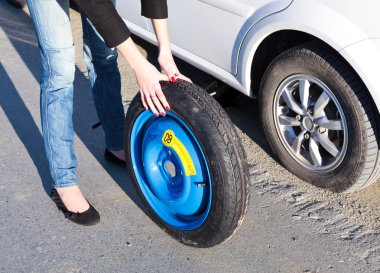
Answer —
(131, 11)
(214, 29)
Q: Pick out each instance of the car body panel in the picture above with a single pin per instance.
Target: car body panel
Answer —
(131, 11)
(231, 19)
(336, 29)
(191, 58)
(198, 26)
(221, 37)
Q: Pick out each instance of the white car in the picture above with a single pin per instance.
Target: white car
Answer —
(315, 66)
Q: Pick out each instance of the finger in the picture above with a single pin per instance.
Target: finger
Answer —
(158, 105)
(173, 76)
(151, 105)
(183, 77)
(163, 77)
(157, 101)
(162, 99)
(171, 69)
(144, 100)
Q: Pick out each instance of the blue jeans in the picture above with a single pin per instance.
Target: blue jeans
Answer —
(52, 25)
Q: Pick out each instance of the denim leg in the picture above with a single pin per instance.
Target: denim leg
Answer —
(52, 26)
(105, 84)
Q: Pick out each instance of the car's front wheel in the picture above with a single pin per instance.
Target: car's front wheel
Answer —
(319, 119)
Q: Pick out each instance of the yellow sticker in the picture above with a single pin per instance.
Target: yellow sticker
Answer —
(169, 139)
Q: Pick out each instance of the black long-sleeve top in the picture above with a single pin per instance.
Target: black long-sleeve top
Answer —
(108, 23)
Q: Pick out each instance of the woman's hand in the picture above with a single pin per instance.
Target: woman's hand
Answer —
(148, 79)
(165, 57)
(166, 61)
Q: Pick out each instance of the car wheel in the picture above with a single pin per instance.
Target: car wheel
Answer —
(319, 119)
(188, 167)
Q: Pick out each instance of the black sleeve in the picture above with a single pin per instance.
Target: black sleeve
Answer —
(108, 23)
(106, 20)
(154, 9)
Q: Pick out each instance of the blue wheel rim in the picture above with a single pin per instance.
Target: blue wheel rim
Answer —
(171, 170)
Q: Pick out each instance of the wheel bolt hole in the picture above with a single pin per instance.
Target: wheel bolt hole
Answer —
(170, 168)
(321, 130)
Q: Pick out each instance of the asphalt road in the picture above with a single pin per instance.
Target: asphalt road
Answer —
(289, 227)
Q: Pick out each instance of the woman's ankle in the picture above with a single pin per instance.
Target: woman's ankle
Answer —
(73, 199)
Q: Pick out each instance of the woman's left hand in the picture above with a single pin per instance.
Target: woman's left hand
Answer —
(166, 61)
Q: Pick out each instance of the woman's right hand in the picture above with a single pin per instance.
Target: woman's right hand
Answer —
(148, 79)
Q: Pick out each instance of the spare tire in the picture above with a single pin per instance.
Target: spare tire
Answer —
(188, 167)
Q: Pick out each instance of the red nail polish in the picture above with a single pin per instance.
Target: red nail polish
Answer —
(156, 114)
(173, 79)
(163, 114)
(167, 108)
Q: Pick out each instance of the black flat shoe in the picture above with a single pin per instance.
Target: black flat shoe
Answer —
(17, 3)
(110, 157)
(89, 217)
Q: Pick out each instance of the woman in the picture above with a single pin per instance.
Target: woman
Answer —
(100, 21)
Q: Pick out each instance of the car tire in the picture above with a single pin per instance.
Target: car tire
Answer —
(201, 125)
(319, 119)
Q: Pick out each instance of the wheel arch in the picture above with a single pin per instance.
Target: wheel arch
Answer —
(271, 47)
(278, 42)
(338, 30)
